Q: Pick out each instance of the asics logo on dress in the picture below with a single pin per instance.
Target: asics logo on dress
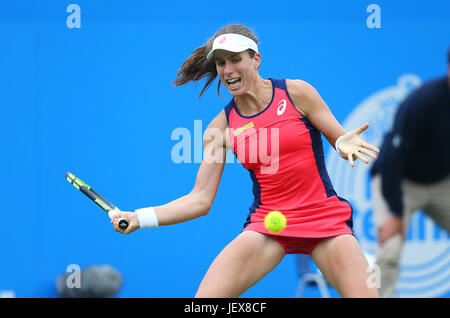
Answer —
(281, 107)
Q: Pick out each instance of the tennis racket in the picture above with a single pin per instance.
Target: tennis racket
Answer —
(107, 206)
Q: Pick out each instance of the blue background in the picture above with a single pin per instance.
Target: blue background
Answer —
(98, 101)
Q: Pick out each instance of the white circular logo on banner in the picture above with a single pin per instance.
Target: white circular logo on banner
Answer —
(425, 263)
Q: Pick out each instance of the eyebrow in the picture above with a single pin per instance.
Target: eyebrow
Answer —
(230, 57)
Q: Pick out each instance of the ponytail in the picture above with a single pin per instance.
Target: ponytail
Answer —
(197, 67)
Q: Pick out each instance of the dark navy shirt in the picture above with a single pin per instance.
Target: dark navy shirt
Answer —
(418, 146)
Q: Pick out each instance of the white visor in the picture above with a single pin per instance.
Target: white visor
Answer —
(232, 42)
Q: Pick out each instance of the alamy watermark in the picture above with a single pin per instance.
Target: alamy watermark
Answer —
(374, 279)
(252, 146)
(374, 19)
(73, 280)
(73, 21)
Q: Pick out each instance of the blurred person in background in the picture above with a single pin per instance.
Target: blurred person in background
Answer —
(412, 173)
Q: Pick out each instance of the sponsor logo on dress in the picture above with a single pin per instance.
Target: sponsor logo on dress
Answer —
(281, 107)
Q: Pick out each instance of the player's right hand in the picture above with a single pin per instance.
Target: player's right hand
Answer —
(132, 219)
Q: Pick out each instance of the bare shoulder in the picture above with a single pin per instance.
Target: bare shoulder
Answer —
(299, 89)
(219, 122)
(303, 95)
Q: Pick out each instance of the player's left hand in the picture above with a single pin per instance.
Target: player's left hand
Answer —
(351, 147)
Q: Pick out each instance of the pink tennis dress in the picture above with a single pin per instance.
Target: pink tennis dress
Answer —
(283, 153)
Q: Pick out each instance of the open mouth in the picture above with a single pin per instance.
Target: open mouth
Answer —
(234, 82)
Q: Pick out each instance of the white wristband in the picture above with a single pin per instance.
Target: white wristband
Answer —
(336, 146)
(147, 217)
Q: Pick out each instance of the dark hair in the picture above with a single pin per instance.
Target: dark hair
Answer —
(197, 67)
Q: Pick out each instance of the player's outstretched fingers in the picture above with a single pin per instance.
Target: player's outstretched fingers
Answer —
(350, 159)
(367, 152)
(361, 157)
(371, 147)
(362, 128)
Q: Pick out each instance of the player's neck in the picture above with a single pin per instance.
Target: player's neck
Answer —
(257, 97)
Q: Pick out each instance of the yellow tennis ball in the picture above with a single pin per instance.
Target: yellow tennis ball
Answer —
(275, 221)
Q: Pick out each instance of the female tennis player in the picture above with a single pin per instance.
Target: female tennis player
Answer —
(290, 116)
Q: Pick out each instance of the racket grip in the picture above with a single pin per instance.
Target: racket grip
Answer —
(123, 223)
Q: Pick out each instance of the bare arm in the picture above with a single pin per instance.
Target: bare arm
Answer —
(311, 105)
(198, 202)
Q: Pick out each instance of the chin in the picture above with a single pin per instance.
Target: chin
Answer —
(238, 92)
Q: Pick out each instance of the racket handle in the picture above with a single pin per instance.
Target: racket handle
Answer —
(123, 223)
